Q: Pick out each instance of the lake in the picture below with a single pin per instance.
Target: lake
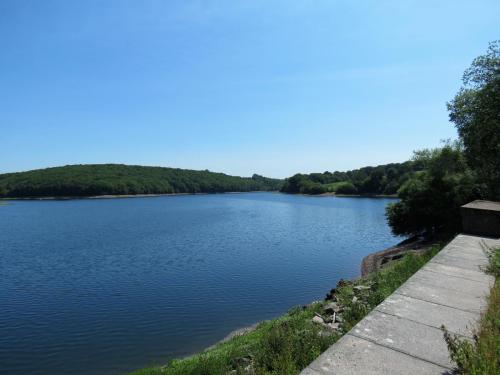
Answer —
(106, 286)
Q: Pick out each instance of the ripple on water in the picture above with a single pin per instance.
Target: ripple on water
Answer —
(112, 285)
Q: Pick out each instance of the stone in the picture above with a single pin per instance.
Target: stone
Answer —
(334, 326)
(332, 307)
(329, 318)
(361, 287)
(318, 319)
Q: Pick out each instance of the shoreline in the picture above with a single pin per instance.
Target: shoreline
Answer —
(370, 263)
(122, 196)
(237, 332)
(391, 196)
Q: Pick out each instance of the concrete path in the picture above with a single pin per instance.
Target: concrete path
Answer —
(402, 335)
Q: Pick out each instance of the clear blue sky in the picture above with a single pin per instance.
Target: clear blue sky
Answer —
(242, 87)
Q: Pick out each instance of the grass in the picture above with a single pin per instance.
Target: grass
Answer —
(288, 344)
(482, 355)
(378, 286)
(281, 346)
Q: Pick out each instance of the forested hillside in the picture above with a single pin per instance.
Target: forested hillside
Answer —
(383, 179)
(119, 179)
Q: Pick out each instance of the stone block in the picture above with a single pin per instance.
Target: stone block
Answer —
(481, 218)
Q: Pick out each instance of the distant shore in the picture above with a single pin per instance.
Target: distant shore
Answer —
(120, 196)
(352, 195)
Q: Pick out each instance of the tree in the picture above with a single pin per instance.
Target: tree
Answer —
(460, 172)
(475, 110)
(431, 199)
(346, 188)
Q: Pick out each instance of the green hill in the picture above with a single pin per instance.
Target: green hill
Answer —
(118, 179)
(380, 180)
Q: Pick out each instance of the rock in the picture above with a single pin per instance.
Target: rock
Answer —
(354, 299)
(329, 318)
(339, 319)
(318, 319)
(242, 361)
(334, 326)
(332, 307)
(361, 287)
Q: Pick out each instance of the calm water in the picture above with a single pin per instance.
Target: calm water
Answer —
(109, 286)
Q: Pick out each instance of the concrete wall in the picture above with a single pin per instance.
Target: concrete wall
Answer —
(481, 218)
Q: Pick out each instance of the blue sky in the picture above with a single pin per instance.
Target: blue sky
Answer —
(241, 87)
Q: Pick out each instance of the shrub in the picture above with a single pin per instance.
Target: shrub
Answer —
(431, 199)
(346, 188)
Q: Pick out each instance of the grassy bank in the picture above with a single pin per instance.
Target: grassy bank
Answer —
(288, 344)
(482, 355)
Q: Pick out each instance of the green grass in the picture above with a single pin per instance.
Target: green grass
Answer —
(281, 346)
(482, 355)
(288, 344)
(381, 285)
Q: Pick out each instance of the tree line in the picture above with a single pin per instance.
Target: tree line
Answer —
(380, 180)
(118, 179)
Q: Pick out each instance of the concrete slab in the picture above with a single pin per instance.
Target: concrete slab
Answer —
(402, 335)
(309, 371)
(470, 287)
(471, 241)
(493, 243)
(446, 297)
(431, 314)
(354, 356)
(405, 336)
(460, 252)
(483, 205)
(476, 264)
(459, 272)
